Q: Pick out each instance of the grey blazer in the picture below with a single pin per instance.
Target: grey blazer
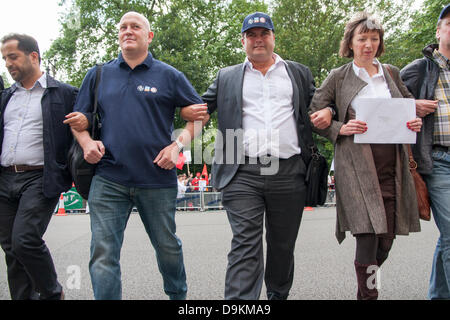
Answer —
(359, 202)
(225, 96)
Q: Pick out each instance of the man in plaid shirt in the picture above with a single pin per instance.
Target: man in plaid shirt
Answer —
(429, 78)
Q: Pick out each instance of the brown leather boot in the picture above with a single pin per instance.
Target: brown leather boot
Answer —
(364, 293)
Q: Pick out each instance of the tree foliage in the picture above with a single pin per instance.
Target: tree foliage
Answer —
(195, 36)
(310, 31)
(5, 80)
(407, 45)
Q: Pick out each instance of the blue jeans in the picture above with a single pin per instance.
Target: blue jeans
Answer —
(438, 184)
(110, 207)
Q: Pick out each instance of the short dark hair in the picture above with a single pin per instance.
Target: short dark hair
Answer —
(367, 23)
(27, 44)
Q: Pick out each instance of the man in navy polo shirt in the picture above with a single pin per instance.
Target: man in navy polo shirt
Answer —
(135, 158)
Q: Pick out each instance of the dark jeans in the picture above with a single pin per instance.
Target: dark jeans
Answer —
(248, 199)
(24, 216)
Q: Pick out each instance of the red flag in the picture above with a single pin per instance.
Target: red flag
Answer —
(181, 160)
(205, 172)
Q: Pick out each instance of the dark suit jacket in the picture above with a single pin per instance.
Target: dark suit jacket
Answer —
(57, 101)
(225, 96)
(421, 77)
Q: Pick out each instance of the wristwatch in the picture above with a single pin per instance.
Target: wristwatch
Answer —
(333, 113)
(179, 144)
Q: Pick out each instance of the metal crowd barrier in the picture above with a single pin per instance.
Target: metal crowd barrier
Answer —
(190, 201)
(199, 201)
(202, 201)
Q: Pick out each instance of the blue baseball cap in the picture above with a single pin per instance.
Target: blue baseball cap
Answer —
(257, 20)
(444, 12)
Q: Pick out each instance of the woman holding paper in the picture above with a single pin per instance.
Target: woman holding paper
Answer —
(375, 193)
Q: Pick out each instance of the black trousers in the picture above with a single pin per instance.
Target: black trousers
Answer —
(248, 199)
(24, 216)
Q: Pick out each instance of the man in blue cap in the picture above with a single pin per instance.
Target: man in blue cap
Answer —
(261, 164)
(429, 78)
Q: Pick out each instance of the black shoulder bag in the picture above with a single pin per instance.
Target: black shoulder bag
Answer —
(316, 179)
(82, 172)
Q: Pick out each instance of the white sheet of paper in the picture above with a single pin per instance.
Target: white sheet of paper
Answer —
(386, 120)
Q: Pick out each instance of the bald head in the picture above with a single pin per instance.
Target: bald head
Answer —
(138, 16)
(134, 37)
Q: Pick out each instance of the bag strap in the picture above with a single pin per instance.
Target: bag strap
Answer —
(412, 162)
(95, 115)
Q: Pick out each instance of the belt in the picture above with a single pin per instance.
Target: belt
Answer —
(259, 160)
(20, 168)
(267, 159)
(441, 148)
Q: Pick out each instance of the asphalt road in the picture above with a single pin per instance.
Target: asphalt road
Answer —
(323, 268)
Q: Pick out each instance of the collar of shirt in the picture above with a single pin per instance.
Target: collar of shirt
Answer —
(361, 72)
(278, 60)
(42, 82)
(442, 60)
(147, 62)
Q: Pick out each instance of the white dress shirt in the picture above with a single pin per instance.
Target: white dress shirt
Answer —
(23, 126)
(268, 113)
(376, 85)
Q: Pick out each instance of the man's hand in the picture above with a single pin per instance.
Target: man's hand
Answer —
(93, 151)
(353, 127)
(168, 157)
(321, 119)
(194, 112)
(77, 121)
(425, 107)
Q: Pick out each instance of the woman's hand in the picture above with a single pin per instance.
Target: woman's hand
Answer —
(353, 127)
(414, 125)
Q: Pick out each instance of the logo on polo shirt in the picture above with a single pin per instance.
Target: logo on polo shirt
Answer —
(141, 88)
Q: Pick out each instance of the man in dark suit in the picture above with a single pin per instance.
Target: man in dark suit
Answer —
(34, 143)
(260, 160)
(2, 86)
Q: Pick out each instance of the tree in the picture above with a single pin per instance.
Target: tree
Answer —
(89, 34)
(407, 45)
(195, 36)
(5, 80)
(310, 31)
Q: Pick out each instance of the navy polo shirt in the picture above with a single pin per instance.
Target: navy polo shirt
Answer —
(137, 109)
